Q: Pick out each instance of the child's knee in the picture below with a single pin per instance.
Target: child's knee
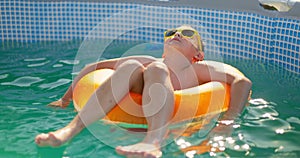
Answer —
(131, 67)
(156, 69)
(130, 64)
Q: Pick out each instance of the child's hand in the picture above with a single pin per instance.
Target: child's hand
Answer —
(60, 103)
(221, 130)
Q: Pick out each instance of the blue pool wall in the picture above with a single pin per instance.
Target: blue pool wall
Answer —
(234, 28)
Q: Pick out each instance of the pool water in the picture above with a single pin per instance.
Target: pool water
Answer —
(33, 75)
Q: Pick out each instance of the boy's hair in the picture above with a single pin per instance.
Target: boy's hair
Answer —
(200, 42)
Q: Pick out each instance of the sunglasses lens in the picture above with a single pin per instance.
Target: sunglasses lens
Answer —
(188, 33)
(170, 33)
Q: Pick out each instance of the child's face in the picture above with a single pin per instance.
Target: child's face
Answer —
(185, 42)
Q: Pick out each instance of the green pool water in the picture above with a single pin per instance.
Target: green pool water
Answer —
(32, 75)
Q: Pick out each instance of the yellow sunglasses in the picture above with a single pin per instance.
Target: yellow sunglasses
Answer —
(185, 32)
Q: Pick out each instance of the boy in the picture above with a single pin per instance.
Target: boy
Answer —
(156, 80)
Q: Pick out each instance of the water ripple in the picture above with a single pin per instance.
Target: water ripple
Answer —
(258, 101)
(3, 76)
(35, 59)
(260, 109)
(24, 81)
(58, 65)
(55, 84)
(38, 64)
(293, 120)
(70, 62)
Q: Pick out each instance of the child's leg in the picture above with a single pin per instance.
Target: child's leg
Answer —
(158, 101)
(158, 105)
(127, 76)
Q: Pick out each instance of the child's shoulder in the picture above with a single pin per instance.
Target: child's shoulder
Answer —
(211, 63)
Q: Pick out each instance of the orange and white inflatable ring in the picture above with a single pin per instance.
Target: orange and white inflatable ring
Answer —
(208, 98)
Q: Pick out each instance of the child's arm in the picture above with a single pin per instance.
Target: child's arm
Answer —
(239, 91)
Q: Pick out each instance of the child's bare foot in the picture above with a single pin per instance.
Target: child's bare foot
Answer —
(56, 138)
(140, 150)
